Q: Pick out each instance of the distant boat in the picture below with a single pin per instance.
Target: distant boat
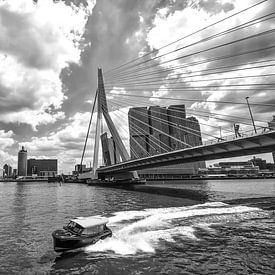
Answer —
(80, 232)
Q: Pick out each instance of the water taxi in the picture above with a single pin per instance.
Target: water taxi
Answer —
(80, 232)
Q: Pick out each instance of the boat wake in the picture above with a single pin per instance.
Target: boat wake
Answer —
(146, 230)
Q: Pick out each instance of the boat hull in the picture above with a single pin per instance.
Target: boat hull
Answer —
(63, 241)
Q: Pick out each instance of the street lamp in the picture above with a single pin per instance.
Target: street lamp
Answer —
(251, 114)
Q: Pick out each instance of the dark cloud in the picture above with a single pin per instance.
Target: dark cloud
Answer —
(18, 40)
(214, 6)
(10, 101)
(108, 29)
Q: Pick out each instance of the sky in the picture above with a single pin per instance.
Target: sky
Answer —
(50, 52)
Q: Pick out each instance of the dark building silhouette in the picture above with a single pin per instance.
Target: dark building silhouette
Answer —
(110, 154)
(139, 132)
(7, 171)
(42, 167)
(271, 125)
(22, 162)
(14, 173)
(156, 130)
(80, 168)
(261, 163)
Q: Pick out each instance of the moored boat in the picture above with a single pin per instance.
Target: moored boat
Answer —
(80, 232)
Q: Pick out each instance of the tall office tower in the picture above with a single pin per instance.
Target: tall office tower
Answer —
(139, 132)
(159, 130)
(7, 170)
(177, 129)
(22, 162)
(187, 132)
(193, 132)
(193, 138)
(14, 173)
(271, 125)
(105, 149)
(110, 154)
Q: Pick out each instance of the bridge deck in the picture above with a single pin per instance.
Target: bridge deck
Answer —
(257, 144)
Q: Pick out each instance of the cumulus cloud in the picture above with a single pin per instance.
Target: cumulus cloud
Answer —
(36, 43)
(6, 141)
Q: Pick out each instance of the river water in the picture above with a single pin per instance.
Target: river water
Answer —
(152, 234)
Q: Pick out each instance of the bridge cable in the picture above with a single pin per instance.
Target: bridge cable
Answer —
(190, 74)
(138, 80)
(194, 63)
(213, 24)
(138, 127)
(186, 119)
(209, 115)
(88, 131)
(222, 33)
(131, 102)
(202, 51)
(136, 154)
(152, 140)
(158, 130)
(178, 140)
(195, 100)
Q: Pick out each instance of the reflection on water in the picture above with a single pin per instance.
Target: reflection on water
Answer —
(224, 189)
(152, 234)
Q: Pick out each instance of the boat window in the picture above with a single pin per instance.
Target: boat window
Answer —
(94, 230)
(74, 227)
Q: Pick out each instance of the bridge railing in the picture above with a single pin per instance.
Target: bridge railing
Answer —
(243, 134)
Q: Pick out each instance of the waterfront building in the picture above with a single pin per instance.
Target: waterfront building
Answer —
(156, 130)
(231, 169)
(7, 171)
(271, 125)
(42, 167)
(22, 162)
(80, 168)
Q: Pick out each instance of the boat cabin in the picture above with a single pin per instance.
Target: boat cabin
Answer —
(87, 225)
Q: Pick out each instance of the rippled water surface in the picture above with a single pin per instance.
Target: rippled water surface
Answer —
(152, 234)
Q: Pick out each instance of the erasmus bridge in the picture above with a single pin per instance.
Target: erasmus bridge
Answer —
(199, 67)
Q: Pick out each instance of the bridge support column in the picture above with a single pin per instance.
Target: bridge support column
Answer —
(102, 109)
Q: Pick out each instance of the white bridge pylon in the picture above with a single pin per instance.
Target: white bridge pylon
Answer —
(102, 109)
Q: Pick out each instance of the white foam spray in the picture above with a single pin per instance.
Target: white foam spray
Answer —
(142, 231)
